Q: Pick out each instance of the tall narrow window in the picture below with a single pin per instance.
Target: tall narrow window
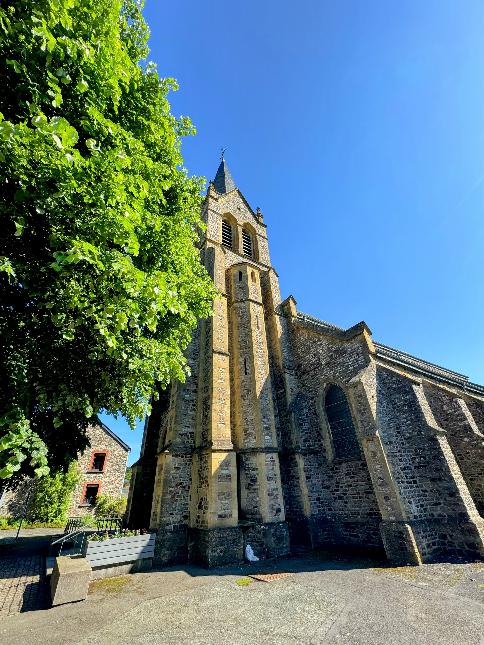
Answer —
(90, 493)
(247, 243)
(340, 421)
(226, 233)
(98, 462)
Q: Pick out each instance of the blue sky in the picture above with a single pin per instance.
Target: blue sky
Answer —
(358, 128)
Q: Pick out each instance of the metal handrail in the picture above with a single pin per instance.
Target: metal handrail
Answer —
(63, 538)
(70, 536)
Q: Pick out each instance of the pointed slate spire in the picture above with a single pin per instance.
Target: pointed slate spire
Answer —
(223, 182)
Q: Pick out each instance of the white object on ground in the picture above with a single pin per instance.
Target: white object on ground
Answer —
(250, 555)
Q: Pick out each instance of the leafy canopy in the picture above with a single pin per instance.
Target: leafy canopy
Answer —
(101, 283)
(52, 496)
(109, 506)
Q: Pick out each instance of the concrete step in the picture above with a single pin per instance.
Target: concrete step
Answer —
(50, 560)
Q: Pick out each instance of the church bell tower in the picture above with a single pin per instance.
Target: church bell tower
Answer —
(209, 469)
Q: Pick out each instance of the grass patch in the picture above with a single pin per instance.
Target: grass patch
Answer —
(109, 585)
(243, 582)
(409, 572)
(454, 578)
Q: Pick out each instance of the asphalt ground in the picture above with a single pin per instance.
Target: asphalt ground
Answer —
(322, 598)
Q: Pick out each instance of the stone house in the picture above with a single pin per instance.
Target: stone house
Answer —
(292, 432)
(102, 467)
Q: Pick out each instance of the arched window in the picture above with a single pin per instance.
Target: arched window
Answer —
(247, 245)
(340, 421)
(227, 233)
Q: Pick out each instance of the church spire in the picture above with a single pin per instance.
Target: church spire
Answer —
(223, 182)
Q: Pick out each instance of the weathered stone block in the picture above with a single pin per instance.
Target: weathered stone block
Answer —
(216, 547)
(171, 546)
(268, 540)
(399, 543)
(70, 580)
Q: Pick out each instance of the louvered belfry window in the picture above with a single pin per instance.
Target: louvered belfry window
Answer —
(247, 243)
(226, 233)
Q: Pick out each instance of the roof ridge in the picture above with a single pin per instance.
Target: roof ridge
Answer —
(114, 436)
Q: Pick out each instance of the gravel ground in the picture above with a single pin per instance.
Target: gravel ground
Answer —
(323, 600)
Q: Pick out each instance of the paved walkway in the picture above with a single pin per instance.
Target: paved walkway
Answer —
(27, 538)
(322, 600)
(22, 569)
(22, 585)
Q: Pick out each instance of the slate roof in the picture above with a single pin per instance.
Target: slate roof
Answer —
(223, 182)
(400, 358)
(421, 366)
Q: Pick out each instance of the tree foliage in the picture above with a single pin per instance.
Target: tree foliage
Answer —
(108, 506)
(52, 496)
(101, 283)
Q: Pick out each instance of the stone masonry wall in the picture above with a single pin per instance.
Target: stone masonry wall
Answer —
(171, 494)
(13, 503)
(341, 502)
(254, 432)
(247, 436)
(454, 415)
(111, 479)
(421, 464)
(143, 472)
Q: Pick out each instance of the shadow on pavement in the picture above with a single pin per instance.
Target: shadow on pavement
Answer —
(312, 561)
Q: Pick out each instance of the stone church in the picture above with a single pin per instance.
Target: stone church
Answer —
(293, 433)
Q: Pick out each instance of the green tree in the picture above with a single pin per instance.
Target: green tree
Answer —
(101, 282)
(107, 506)
(52, 496)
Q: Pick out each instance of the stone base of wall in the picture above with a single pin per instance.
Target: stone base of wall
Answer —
(220, 546)
(441, 539)
(216, 547)
(363, 534)
(171, 546)
(300, 534)
(399, 543)
(268, 540)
